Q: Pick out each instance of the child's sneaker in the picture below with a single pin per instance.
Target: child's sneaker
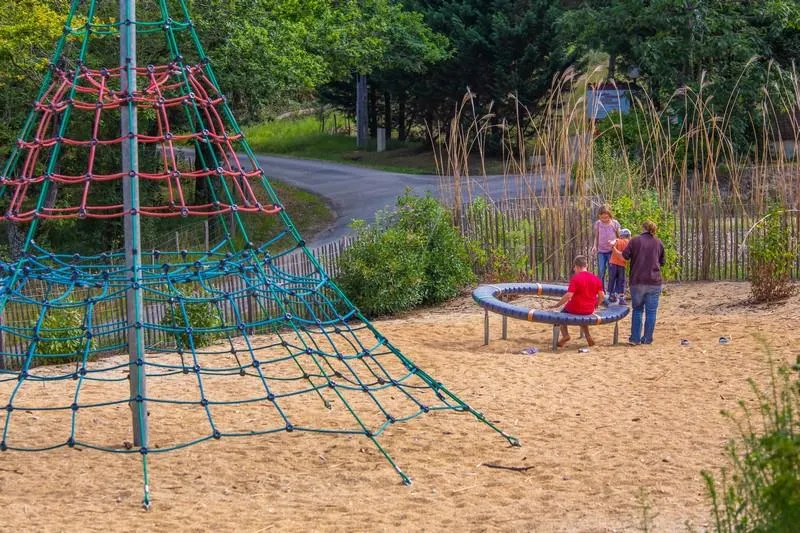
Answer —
(621, 300)
(612, 299)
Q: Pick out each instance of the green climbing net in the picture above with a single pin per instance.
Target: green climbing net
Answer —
(219, 342)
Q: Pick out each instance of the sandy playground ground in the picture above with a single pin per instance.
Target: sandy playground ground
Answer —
(607, 437)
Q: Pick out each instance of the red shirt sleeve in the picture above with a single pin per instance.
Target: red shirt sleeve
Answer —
(572, 285)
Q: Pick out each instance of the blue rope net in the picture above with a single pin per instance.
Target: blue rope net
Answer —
(226, 330)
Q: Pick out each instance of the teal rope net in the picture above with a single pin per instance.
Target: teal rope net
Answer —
(226, 330)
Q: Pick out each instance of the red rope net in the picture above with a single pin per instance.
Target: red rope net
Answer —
(163, 89)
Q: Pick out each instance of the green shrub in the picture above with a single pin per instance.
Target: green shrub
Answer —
(61, 334)
(200, 315)
(409, 257)
(633, 211)
(762, 491)
(771, 255)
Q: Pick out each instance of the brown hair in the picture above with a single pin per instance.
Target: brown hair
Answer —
(650, 227)
(605, 209)
(580, 262)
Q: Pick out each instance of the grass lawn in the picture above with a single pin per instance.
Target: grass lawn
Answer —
(303, 137)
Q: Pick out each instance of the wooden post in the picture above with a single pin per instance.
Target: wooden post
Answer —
(130, 199)
(362, 124)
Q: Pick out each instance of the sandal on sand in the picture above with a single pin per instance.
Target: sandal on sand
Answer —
(529, 351)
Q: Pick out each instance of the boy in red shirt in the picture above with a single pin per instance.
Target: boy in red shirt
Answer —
(584, 295)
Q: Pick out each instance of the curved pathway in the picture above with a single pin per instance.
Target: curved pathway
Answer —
(357, 192)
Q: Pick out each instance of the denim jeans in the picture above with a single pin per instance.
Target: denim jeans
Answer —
(644, 300)
(603, 259)
(616, 279)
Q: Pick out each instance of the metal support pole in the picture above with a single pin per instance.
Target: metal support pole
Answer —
(616, 332)
(130, 199)
(556, 330)
(485, 327)
(505, 321)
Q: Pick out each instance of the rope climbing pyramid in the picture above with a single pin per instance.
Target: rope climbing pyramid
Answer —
(149, 351)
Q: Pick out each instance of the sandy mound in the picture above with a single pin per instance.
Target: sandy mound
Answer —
(605, 434)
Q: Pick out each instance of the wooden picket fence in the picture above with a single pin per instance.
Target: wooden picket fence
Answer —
(541, 238)
(535, 239)
(108, 326)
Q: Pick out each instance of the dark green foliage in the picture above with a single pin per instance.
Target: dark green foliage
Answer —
(771, 255)
(197, 315)
(632, 212)
(409, 257)
(761, 492)
(502, 48)
(719, 47)
(504, 52)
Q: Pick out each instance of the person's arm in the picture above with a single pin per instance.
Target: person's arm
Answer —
(601, 295)
(596, 238)
(563, 301)
(626, 253)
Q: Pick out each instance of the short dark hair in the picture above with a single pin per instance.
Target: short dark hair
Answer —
(580, 262)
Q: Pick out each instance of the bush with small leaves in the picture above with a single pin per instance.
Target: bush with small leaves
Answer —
(633, 211)
(771, 256)
(200, 316)
(760, 489)
(60, 334)
(408, 257)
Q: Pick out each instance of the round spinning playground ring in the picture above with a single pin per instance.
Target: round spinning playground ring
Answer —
(489, 297)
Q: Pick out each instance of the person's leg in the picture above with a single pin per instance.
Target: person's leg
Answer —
(651, 298)
(612, 272)
(619, 281)
(602, 265)
(564, 336)
(587, 335)
(637, 303)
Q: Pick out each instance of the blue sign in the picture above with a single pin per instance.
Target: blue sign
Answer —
(603, 99)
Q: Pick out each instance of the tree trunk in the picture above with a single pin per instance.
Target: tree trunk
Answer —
(612, 66)
(387, 114)
(373, 112)
(362, 134)
(401, 117)
(16, 239)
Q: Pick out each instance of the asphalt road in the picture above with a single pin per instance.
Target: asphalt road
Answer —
(357, 192)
